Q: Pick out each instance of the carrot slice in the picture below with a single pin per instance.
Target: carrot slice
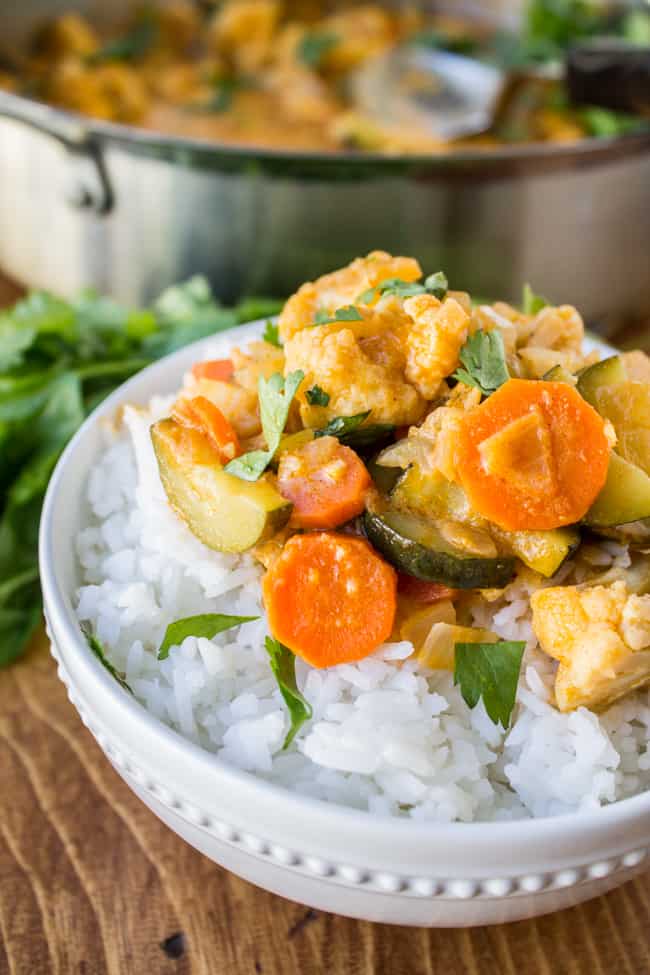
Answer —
(330, 598)
(325, 481)
(421, 591)
(532, 456)
(201, 414)
(221, 369)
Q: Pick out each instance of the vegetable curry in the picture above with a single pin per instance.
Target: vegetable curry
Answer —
(276, 74)
(395, 454)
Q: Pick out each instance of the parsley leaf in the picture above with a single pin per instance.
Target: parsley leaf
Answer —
(490, 671)
(207, 625)
(532, 303)
(346, 314)
(97, 648)
(352, 433)
(315, 45)
(317, 396)
(272, 334)
(283, 665)
(484, 359)
(275, 395)
(435, 284)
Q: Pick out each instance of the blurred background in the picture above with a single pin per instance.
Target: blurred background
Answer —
(261, 143)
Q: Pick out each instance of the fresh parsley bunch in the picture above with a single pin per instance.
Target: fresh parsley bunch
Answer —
(58, 360)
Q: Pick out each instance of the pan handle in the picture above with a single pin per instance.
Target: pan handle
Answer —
(89, 186)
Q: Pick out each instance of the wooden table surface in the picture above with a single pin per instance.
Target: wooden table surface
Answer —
(92, 883)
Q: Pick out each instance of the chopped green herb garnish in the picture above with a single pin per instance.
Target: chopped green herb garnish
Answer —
(341, 426)
(352, 433)
(532, 303)
(97, 648)
(272, 334)
(283, 665)
(484, 359)
(315, 45)
(317, 396)
(207, 625)
(134, 44)
(490, 671)
(346, 314)
(275, 395)
(224, 90)
(436, 285)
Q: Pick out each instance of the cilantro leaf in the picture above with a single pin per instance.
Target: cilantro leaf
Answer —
(341, 426)
(490, 671)
(532, 303)
(317, 396)
(275, 395)
(484, 359)
(435, 284)
(97, 648)
(315, 45)
(346, 314)
(283, 665)
(272, 334)
(207, 625)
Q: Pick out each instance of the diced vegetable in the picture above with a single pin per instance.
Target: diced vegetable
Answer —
(558, 374)
(384, 478)
(439, 649)
(325, 481)
(416, 547)
(624, 498)
(422, 591)
(532, 456)
(330, 598)
(225, 513)
(543, 551)
(417, 624)
(608, 372)
(199, 413)
(219, 369)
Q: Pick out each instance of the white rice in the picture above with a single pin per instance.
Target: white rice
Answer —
(385, 736)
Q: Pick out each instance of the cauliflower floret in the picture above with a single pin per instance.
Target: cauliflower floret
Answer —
(434, 341)
(343, 287)
(355, 378)
(601, 637)
(559, 328)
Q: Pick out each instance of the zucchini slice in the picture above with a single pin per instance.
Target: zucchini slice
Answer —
(435, 497)
(416, 547)
(608, 372)
(624, 498)
(224, 512)
(558, 374)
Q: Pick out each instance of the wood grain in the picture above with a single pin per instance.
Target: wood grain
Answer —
(91, 883)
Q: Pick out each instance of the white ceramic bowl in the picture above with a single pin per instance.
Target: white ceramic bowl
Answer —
(323, 855)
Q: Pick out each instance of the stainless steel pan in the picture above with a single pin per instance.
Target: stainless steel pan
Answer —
(84, 203)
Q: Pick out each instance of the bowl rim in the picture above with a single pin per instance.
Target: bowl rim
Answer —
(62, 618)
